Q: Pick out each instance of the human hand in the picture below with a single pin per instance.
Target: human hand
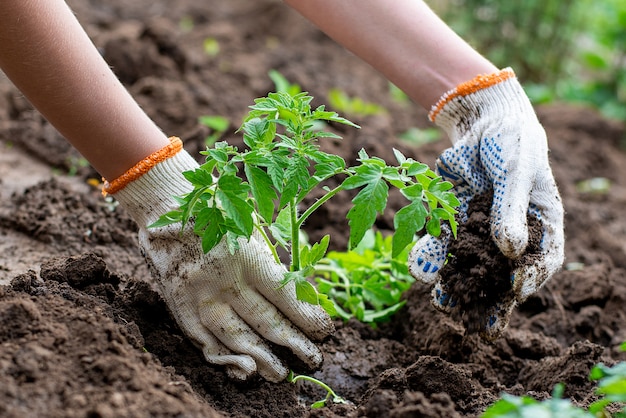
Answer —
(499, 146)
(230, 305)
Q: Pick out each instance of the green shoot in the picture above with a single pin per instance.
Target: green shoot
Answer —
(283, 85)
(354, 106)
(218, 125)
(211, 46)
(330, 394)
(418, 137)
(510, 406)
(282, 165)
(611, 389)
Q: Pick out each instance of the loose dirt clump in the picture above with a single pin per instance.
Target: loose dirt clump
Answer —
(477, 276)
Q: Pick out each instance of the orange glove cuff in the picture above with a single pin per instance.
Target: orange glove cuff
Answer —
(477, 83)
(142, 167)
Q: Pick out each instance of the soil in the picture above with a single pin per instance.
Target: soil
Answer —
(85, 335)
(477, 275)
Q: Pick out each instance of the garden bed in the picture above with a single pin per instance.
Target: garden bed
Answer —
(84, 334)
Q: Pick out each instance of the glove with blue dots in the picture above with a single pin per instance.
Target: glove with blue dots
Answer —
(499, 146)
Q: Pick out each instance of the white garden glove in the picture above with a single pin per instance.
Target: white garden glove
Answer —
(498, 145)
(229, 305)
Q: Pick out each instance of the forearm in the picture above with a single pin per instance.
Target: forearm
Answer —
(49, 57)
(403, 39)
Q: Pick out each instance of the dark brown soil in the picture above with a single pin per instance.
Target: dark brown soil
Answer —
(84, 334)
(477, 275)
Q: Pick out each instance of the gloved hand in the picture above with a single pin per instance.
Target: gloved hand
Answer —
(227, 304)
(498, 145)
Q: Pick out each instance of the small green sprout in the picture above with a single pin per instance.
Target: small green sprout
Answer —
(418, 137)
(354, 106)
(218, 125)
(611, 389)
(211, 47)
(330, 394)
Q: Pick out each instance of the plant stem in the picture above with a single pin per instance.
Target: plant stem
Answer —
(295, 236)
(267, 240)
(331, 393)
(317, 204)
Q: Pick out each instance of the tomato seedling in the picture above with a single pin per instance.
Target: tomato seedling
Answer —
(282, 165)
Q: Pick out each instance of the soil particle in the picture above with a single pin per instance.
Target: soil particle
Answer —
(477, 276)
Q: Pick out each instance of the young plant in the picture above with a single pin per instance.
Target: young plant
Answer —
(510, 406)
(355, 106)
(218, 126)
(611, 389)
(282, 165)
(330, 393)
(366, 282)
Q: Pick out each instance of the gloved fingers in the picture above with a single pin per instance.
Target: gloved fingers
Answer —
(497, 319)
(266, 278)
(239, 366)
(512, 182)
(429, 255)
(220, 319)
(441, 300)
(533, 270)
(263, 317)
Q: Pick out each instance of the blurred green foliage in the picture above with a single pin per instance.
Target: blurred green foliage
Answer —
(561, 50)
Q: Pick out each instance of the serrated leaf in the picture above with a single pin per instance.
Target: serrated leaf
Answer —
(407, 222)
(262, 191)
(214, 231)
(198, 177)
(290, 190)
(232, 195)
(399, 156)
(327, 304)
(318, 250)
(413, 192)
(370, 201)
(416, 169)
(363, 174)
(433, 226)
(306, 292)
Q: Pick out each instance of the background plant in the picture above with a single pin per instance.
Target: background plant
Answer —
(367, 282)
(611, 390)
(581, 57)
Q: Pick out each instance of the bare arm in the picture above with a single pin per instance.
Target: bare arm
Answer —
(403, 39)
(49, 57)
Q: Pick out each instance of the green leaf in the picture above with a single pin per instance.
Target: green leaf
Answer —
(407, 222)
(199, 176)
(169, 218)
(306, 292)
(318, 404)
(370, 201)
(433, 226)
(214, 231)
(232, 195)
(413, 192)
(327, 305)
(262, 190)
(318, 251)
